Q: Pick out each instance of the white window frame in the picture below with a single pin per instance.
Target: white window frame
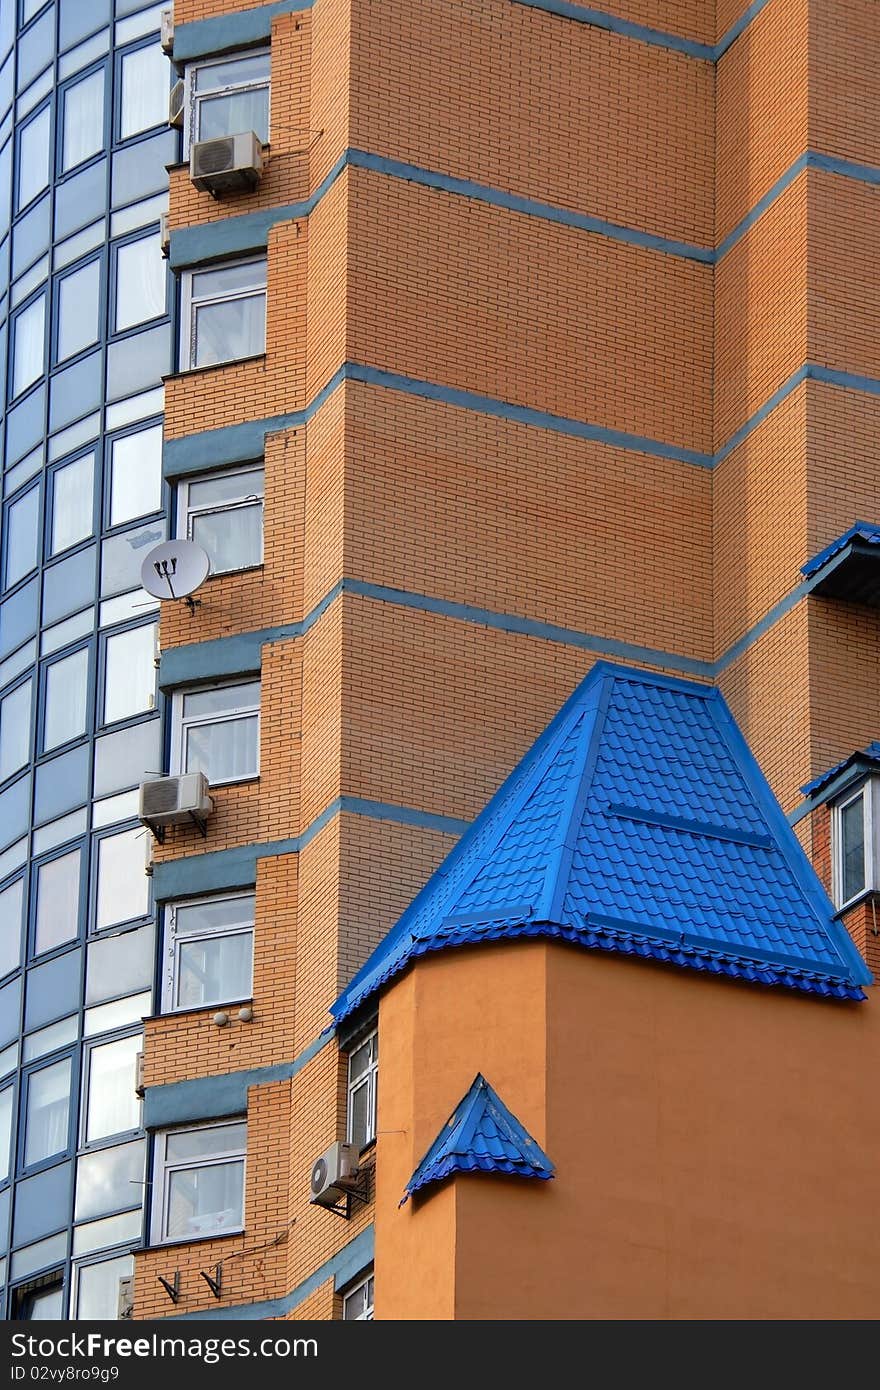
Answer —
(162, 1171)
(192, 98)
(367, 1314)
(172, 942)
(370, 1079)
(179, 726)
(186, 513)
(869, 789)
(188, 304)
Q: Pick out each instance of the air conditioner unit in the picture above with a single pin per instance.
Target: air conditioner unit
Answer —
(164, 235)
(228, 165)
(175, 800)
(334, 1174)
(139, 1086)
(166, 30)
(176, 105)
(125, 1297)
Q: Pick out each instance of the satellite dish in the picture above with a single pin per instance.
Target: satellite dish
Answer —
(174, 569)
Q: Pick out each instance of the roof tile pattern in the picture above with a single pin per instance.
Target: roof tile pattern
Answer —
(480, 1136)
(639, 823)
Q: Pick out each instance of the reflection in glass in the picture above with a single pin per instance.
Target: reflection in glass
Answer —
(83, 120)
(129, 673)
(22, 536)
(113, 1106)
(145, 87)
(11, 909)
(123, 887)
(97, 1285)
(28, 345)
(72, 503)
(48, 1108)
(78, 304)
(33, 158)
(57, 902)
(109, 1180)
(15, 736)
(140, 283)
(136, 475)
(66, 688)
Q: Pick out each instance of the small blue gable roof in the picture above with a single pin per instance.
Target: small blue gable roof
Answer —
(638, 823)
(864, 760)
(480, 1136)
(863, 531)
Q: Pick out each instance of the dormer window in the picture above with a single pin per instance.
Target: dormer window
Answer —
(856, 842)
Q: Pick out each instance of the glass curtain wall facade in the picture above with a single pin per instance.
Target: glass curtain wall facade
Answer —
(86, 332)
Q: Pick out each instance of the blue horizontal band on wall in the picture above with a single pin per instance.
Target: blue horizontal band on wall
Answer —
(203, 38)
(659, 38)
(224, 869)
(342, 1268)
(216, 1097)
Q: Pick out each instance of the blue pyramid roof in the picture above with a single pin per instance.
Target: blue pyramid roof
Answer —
(638, 823)
(480, 1136)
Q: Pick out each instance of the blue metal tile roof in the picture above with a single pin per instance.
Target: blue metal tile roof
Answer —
(480, 1136)
(861, 531)
(867, 757)
(638, 823)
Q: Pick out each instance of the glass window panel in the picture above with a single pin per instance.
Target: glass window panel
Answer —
(72, 503)
(83, 117)
(8, 1059)
(66, 690)
(214, 914)
(62, 634)
(232, 539)
(213, 969)
(852, 827)
(136, 475)
(86, 52)
(53, 990)
(224, 752)
(140, 282)
(129, 673)
(122, 758)
(10, 1005)
(109, 1180)
(357, 1306)
(11, 911)
(33, 157)
(59, 784)
(359, 1130)
(137, 408)
(78, 306)
(81, 199)
(222, 488)
(125, 607)
(36, 48)
(123, 886)
(28, 345)
(138, 361)
(112, 1230)
(112, 1105)
(119, 1014)
(123, 555)
(232, 72)
(204, 1200)
(22, 535)
(145, 87)
(50, 1039)
(182, 1144)
(69, 585)
(114, 808)
(225, 280)
(220, 699)
(15, 731)
(5, 1133)
(48, 1109)
(42, 1305)
(97, 1288)
(120, 965)
(229, 330)
(81, 433)
(79, 18)
(234, 112)
(57, 901)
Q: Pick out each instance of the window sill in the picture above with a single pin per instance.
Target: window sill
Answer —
(857, 901)
(186, 372)
(192, 1240)
(200, 1009)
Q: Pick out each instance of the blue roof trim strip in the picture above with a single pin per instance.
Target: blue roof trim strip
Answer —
(864, 759)
(864, 531)
(678, 851)
(480, 1136)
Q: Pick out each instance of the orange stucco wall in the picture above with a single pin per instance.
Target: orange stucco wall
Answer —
(714, 1143)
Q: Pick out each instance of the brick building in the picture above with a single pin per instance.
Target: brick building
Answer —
(525, 409)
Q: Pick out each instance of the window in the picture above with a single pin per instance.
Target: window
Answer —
(33, 158)
(78, 306)
(111, 1105)
(109, 1180)
(28, 345)
(57, 918)
(216, 731)
(357, 1304)
(199, 1182)
(136, 475)
(15, 731)
(129, 673)
(97, 1288)
(146, 82)
(140, 283)
(22, 536)
(72, 503)
(11, 913)
(223, 314)
(856, 839)
(65, 699)
(83, 120)
(40, 1304)
(229, 96)
(48, 1111)
(363, 1075)
(209, 948)
(123, 887)
(224, 514)
(6, 1109)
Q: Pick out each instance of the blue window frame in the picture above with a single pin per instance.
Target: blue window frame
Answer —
(78, 303)
(83, 118)
(138, 282)
(70, 506)
(21, 532)
(27, 346)
(143, 85)
(58, 886)
(66, 698)
(33, 157)
(119, 884)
